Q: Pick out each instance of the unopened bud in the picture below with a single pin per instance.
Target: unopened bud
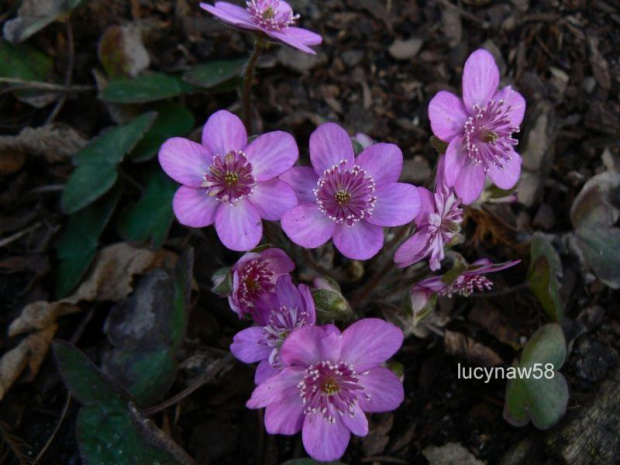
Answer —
(329, 302)
(222, 282)
(420, 303)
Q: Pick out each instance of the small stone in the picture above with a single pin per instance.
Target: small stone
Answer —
(352, 58)
(405, 49)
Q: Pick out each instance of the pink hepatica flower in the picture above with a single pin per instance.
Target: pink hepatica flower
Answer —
(228, 182)
(273, 18)
(469, 281)
(254, 275)
(346, 197)
(277, 315)
(437, 223)
(479, 129)
(329, 380)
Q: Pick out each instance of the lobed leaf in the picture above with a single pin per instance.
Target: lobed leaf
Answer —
(143, 89)
(214, 73)
(545, 267)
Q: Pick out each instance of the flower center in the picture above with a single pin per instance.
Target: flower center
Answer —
(345, 195)
(447, 217)
(282, 321)
(230, 177)
(255, 278)
(466, 284)
(330, 389)
(267, 14)
(488, 134)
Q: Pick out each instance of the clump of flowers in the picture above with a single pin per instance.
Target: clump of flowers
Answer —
(479, 129)
(329, 380)
(276, 314)
(348, 198)
(229, 182)
(271, 18)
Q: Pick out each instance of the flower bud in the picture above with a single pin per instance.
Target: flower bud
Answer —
(329, 301)
(222, 282)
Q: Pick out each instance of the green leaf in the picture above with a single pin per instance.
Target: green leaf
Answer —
(97, 163)
(146, 331)
(24, 62)
(77, 246)
(214, 73)
(109, 428)
(439, 145)
(545, 267)
(542, 396)
(150, 218)
(172, 120)
(146, 88)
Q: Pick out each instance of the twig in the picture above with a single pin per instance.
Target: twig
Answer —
(204, 379)
(247, 85)
(365, 291)
(312, 263)
(8, 240)
(68, 72)
(55, 432)
(462, 12)
(46, 86)
(384, 459)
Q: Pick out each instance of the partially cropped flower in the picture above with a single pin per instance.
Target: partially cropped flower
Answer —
(228, 182)
(479, 129)
(330, 379)
(437, 223)
(277, 314)
(274, 18)
(364, 140)
(254, 275)
(469, 281)
(348, 198)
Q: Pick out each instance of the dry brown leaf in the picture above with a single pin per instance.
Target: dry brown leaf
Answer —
(30, 353)
(54, 142)
(460, 345)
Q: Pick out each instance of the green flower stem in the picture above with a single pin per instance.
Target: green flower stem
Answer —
(259, 44)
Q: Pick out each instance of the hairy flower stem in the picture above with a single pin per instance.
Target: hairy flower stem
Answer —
(247, 84)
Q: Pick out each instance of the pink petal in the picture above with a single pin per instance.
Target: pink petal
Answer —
(385, 390)
(288, 294)
(447, 115)
(329, 145)
(427, 205)
(384, 162)
(279, 262)
(515, 101)
(397, 204)
(324, 441)
(275, 388)
(360, 241)
(185, 161)
(303, 346)
(304, 36)
(272, 154)
(194, 207)
(239, 225)
(303, 180)
(412, 250)
(305, 225)
(306, 296)
(224, 132)
(264, 371)
(231, 14)
(358, 423)
(480, 79)
(272, 199)
(246, 345)
(508, 175)
(369, 342)
(453, 162)
(469, 184)
(290, 40)
(286, 416)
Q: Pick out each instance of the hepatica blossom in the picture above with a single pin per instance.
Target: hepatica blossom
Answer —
(437, 223)
(274, 18)
(479, 129)
(350, 199)
(277, 315)
(254, 275)
(329, 379)
(228, 182)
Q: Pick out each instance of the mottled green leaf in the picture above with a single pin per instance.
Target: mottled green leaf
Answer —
(97, 163)
(77, 246)
(545, 268)
(172, 120)
(145, 88)
(214, 73)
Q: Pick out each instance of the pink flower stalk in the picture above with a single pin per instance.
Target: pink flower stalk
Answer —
(437, 223)
(329, 380)
(228, 182)
(479, 129)
(469, 281)
(254, 275)
(274, 18)
(350, 199)
(277, 315)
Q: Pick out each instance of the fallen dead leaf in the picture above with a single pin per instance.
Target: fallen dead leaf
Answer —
(450, 454)
(54, 142)
(460, 345)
